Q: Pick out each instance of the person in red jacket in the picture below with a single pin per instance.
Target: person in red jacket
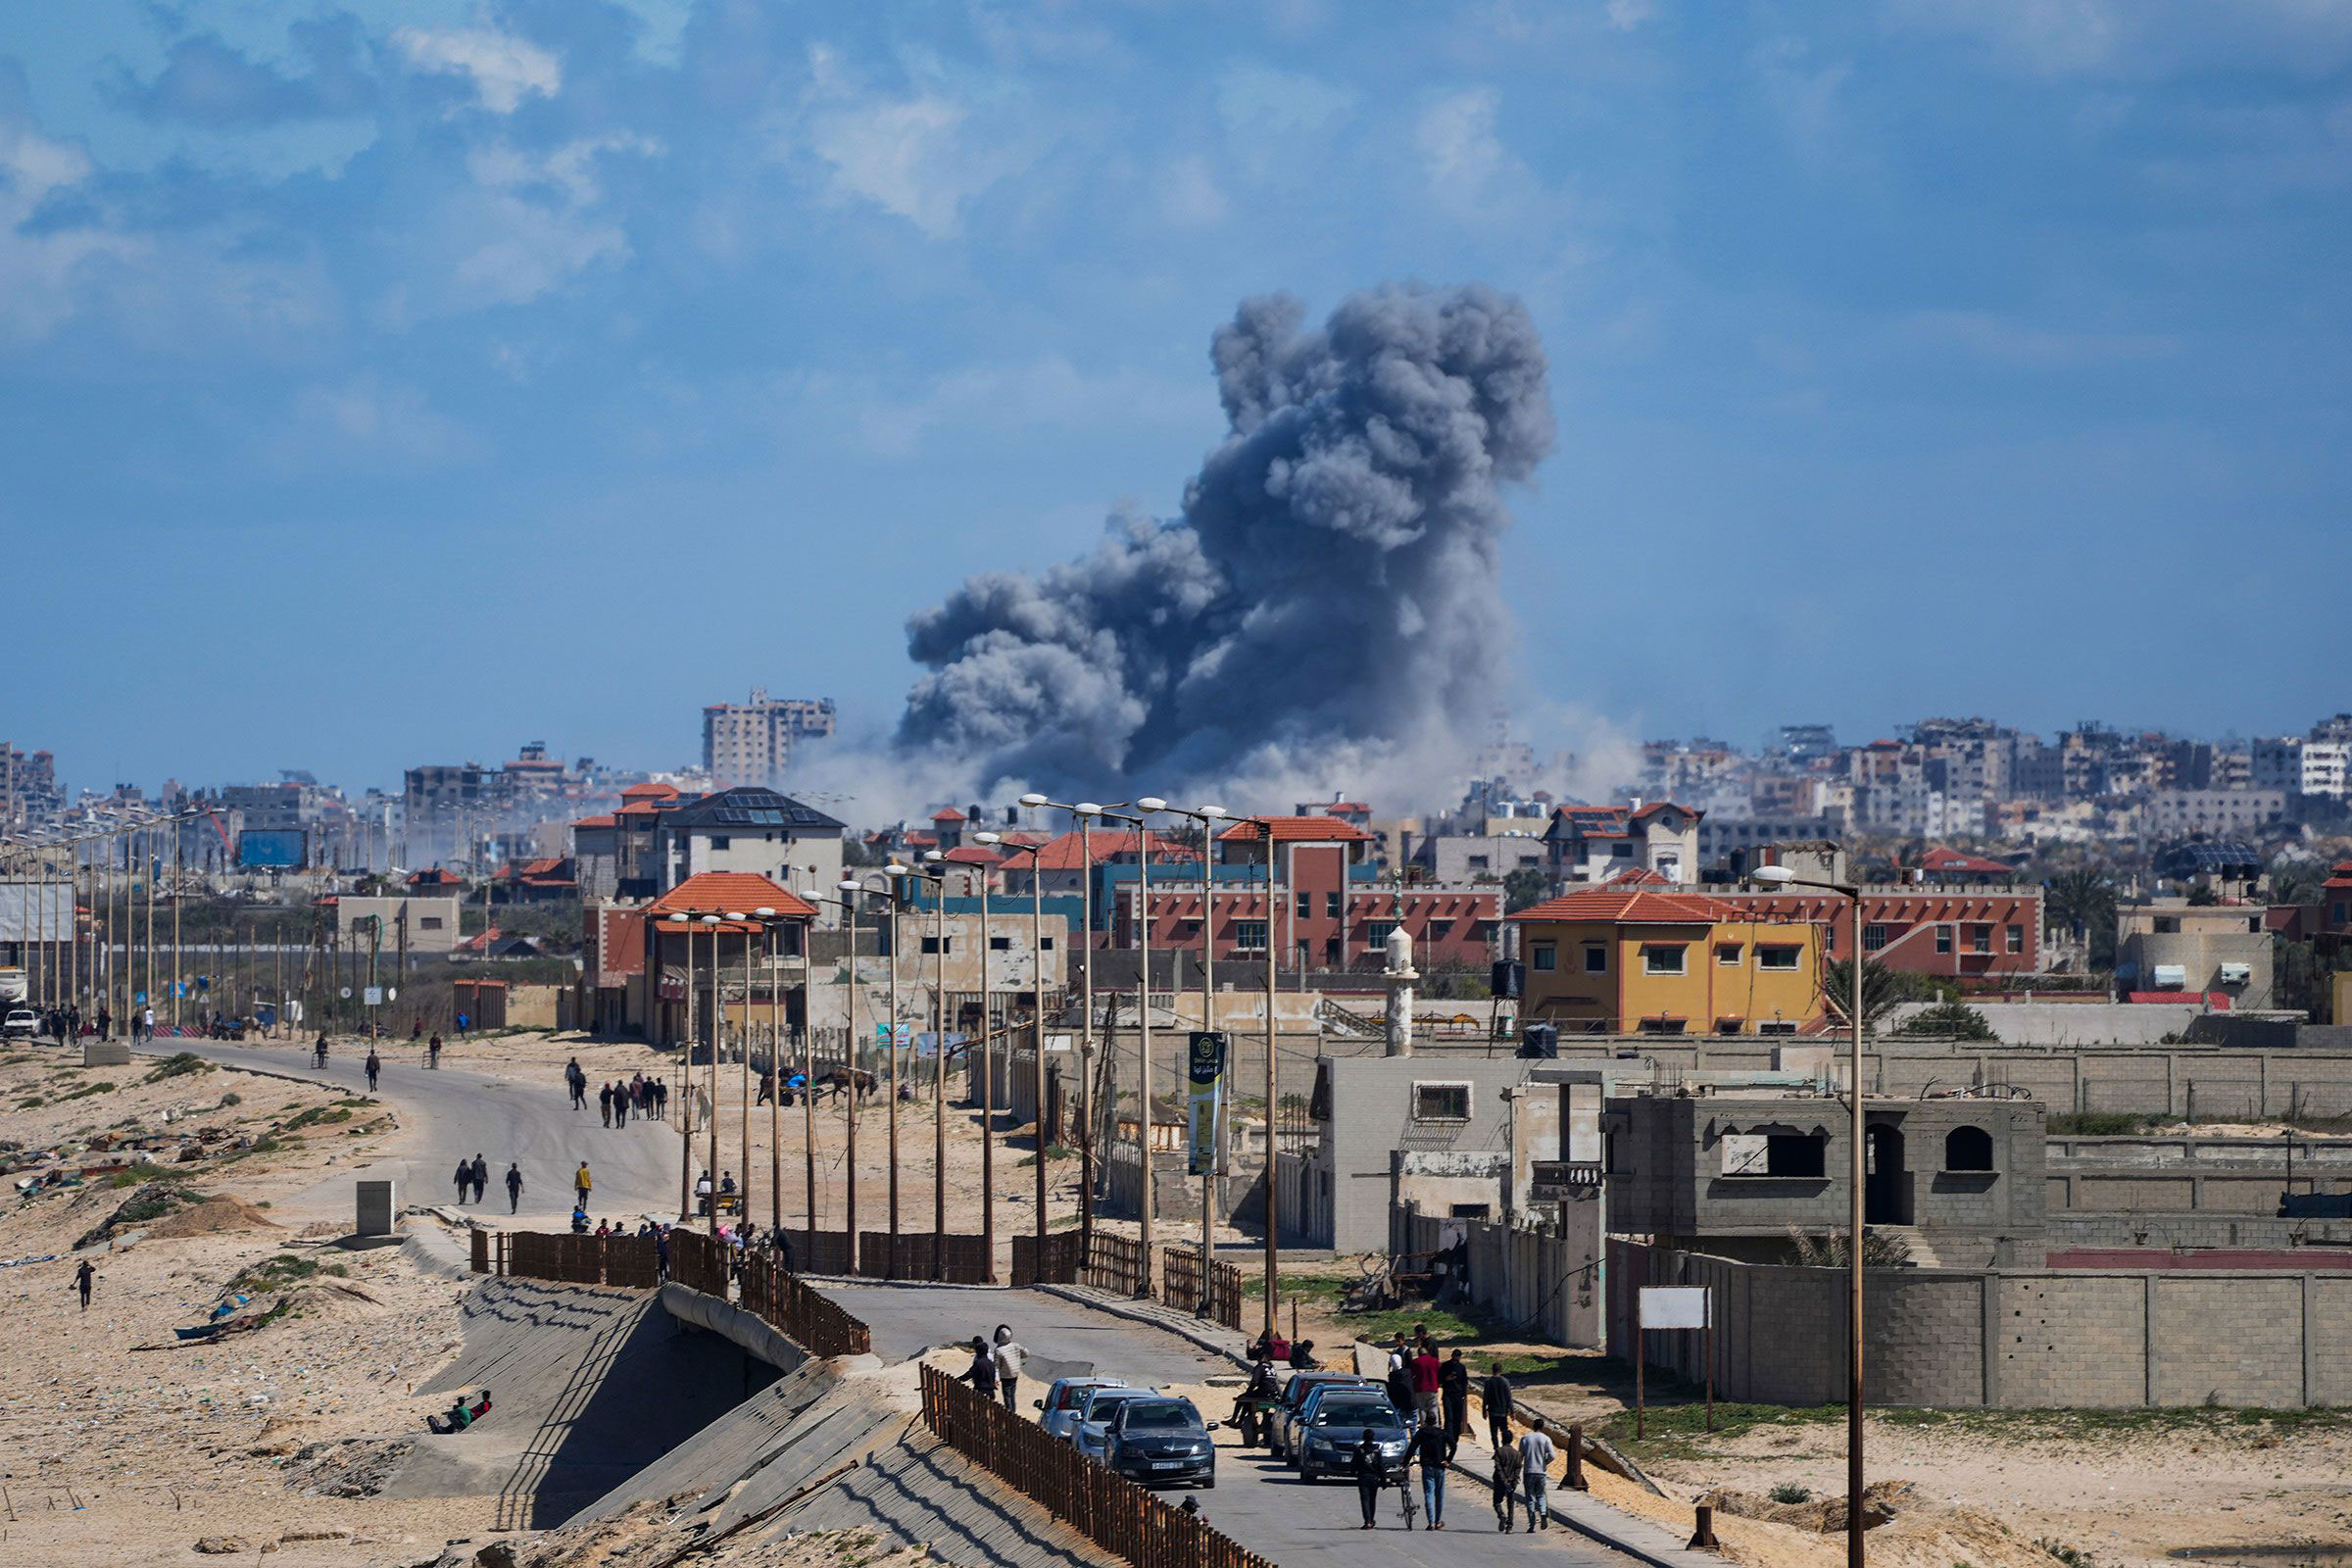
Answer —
(1425, 1370)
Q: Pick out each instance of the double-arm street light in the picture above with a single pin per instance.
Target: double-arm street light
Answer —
(1037, 1009)
(1208, 816)
(1081, 814)
(891, 873)
(1779, 876)
(1144, 808)
(1273, 1203)
(934, 871)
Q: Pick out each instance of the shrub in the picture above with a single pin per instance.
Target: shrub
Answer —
(178, 1064)
(1947, 1019)
(1790, 1492)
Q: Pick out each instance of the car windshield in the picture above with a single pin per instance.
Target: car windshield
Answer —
(1074, 1394)
(1163, 1413)
(1105, 1400)
(1354, 1413)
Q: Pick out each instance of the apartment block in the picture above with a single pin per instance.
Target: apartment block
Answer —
(752, 741)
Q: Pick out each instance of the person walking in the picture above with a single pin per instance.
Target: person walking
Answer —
(1535, 1453)
(1429, 1448)
(1371, 1476)
(1506, 1481)
(83, 1277)
(465, 1177)
(1424, 1368)
(982, 1374)
(1010, 1355)
(106, 1024)
(147, 1023)
(321, 1050)
(1400, 1392)
(513, 1188)
(1496, 1395)
(604, 1102)
(433, 1052)
(1453, 1392)
(577, 1082)
(580, 1184)
(375, 1065)
(481, 1176)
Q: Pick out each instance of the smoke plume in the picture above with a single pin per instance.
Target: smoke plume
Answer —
(1326, 610)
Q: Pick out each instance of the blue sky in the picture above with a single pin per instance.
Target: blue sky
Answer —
(391, 382)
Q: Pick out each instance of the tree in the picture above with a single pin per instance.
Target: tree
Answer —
(2084, 901)
(1955, 1021)
(1883, 990)
(1524, 887)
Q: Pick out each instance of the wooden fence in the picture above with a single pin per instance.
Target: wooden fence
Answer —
(632, 1263)
(797, 1312)
(700, 1262)
(1181, 1288)
(1115, 1263)
(1061, 1258)
(1105, 1507)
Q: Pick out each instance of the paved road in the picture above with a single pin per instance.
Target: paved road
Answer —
(449, 1115)
(1256, 1501)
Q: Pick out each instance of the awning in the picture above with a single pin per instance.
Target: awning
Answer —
(2237, 974)
(2172, 977)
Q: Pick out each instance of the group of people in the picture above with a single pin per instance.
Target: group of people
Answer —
(473, 1176)
(996, 1369)
(70, 1022)
(647, 1099)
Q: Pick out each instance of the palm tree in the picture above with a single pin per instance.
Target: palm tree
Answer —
(1883, 990)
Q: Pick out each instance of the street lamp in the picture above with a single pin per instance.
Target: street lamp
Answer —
(934, 871)
(891, 873)
(1145, 808)
(743, 1042)
(679, 917)
(1273, 1207)
(1037, 1009)
(1083, 814)
(987, 1083)
(1779, 876)
(768, 919)
(711, 1170)
(1208, 816)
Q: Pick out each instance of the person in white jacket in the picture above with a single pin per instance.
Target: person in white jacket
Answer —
(1009, 1356)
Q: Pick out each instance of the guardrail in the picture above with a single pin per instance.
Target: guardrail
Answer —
(1181, 1287)
(1108, 1508)
(631, 1262)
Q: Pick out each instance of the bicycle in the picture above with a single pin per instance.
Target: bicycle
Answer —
(1404, 1493)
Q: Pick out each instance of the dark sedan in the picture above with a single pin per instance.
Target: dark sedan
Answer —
(1161, 1442)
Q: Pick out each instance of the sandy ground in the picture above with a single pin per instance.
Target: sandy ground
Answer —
(115, 1455)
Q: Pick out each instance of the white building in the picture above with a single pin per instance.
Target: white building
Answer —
(752, 743)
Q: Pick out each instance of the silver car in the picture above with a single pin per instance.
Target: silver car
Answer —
(1090, 1434)
(1064, 1399)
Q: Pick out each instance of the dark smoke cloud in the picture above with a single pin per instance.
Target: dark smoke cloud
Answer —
(1327, 601)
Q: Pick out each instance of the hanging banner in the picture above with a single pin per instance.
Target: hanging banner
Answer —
(1205, 1076)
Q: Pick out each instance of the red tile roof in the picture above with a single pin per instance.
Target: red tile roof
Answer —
(1103, 845)
(1655, 807)
(1296, 830)
(606, 820)
(650, 792)
(433, 878)
(971, 855)
(1639, 876)
(949, 815)
(1941, 859)
(729, 893)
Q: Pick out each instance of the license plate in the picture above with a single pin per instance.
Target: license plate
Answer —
(1167, 1464)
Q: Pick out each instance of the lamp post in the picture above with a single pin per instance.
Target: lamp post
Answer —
(1083, 814)
(1037, 1009)
(934, 871)
(711, 1170)
(681, 919)
(849, 1221)
(987, 1083)
(891, 873)
(1145, 808)
(769, 926)
(743, 1042)
(1208, 816)
(1273, 1209)
(1779, 876)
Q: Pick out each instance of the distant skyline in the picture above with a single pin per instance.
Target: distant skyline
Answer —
(400, 381)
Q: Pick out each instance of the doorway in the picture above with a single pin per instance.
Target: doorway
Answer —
(1886, 1184)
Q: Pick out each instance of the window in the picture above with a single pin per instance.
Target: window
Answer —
(1943, 939)
(2016, 939)
(1305, 906)
(933, 944)
(1795, 1155)
(2168, 925)
(1477, 863)
(1376, 932)
(1661, 957)
(1873, 936)
(1440, 1102)
(721, 841)
(1547, 957)
(1775, 955)
(1980, 939)
(430, 922)
(1596, 958)
(1529, 862)
(1000, 944)
(1727, 954)
(1621, 852)
(1726, 1026)
(1776, 1026)
(1470, 1210)
(1249, 936)
(1046, 945)
(1967, 1149)
(1662, 1026)
(1331, 906)
(1438, 930)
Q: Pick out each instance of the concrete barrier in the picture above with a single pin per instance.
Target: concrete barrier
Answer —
(749, 1332)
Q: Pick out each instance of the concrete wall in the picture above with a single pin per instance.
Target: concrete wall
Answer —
(2009, 1338)
(1546, 1279)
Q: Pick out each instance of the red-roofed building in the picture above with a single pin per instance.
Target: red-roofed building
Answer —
(1627, 958)
(1944, 864)
(2335, 902)
(434, 879)
(1594, 843)
(679, 955)
(545, 880)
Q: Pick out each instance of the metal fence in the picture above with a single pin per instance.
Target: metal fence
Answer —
(700, 1262)
(1063, 1254)
(797, 1312)
(1108, 1508)
(1181, 1288)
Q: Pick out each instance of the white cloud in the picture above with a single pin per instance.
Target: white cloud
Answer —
(568, 169)
(1627, 15)
(1048, 393)
(1803, 95)
(1260, 104)
(2148, 38)
(369, 425)
(1189, 196)
(505, 70)
(40, 267)
(923, 158)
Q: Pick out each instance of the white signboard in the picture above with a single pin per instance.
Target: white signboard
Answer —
(374, 996)
(1674, 1306)
(1743, 1154)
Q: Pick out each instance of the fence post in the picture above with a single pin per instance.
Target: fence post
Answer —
(1575, 1473)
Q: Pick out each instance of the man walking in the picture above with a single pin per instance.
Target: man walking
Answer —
(580, 1184)
(465, 1177)
(982, 1374)
(603, 1103)
(82, 1278)
(1496, 1393)
(375, 1065)
(1371, 1476)
(513, 1188)
(481, 1176)
(1009, 1356)
(1427, 1446)
(1453, 1392)
(1506, 1481)
(1424, 1369)
(577, 1082)
(1535, 1453)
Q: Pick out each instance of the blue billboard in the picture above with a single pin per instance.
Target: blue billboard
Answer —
(271, 848)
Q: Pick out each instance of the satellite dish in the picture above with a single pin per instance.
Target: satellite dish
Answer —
(392, 993)
(346, 993)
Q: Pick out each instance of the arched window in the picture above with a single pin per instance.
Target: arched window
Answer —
(1967, 1149)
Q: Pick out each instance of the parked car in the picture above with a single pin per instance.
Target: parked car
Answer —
(1294, 1393)
(1064, 1398)
(1331, 1421)
(22, 1023)
(1090, 1434)
(1160, 1441)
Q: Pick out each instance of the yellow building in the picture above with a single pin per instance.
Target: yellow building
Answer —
(1621, 959)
